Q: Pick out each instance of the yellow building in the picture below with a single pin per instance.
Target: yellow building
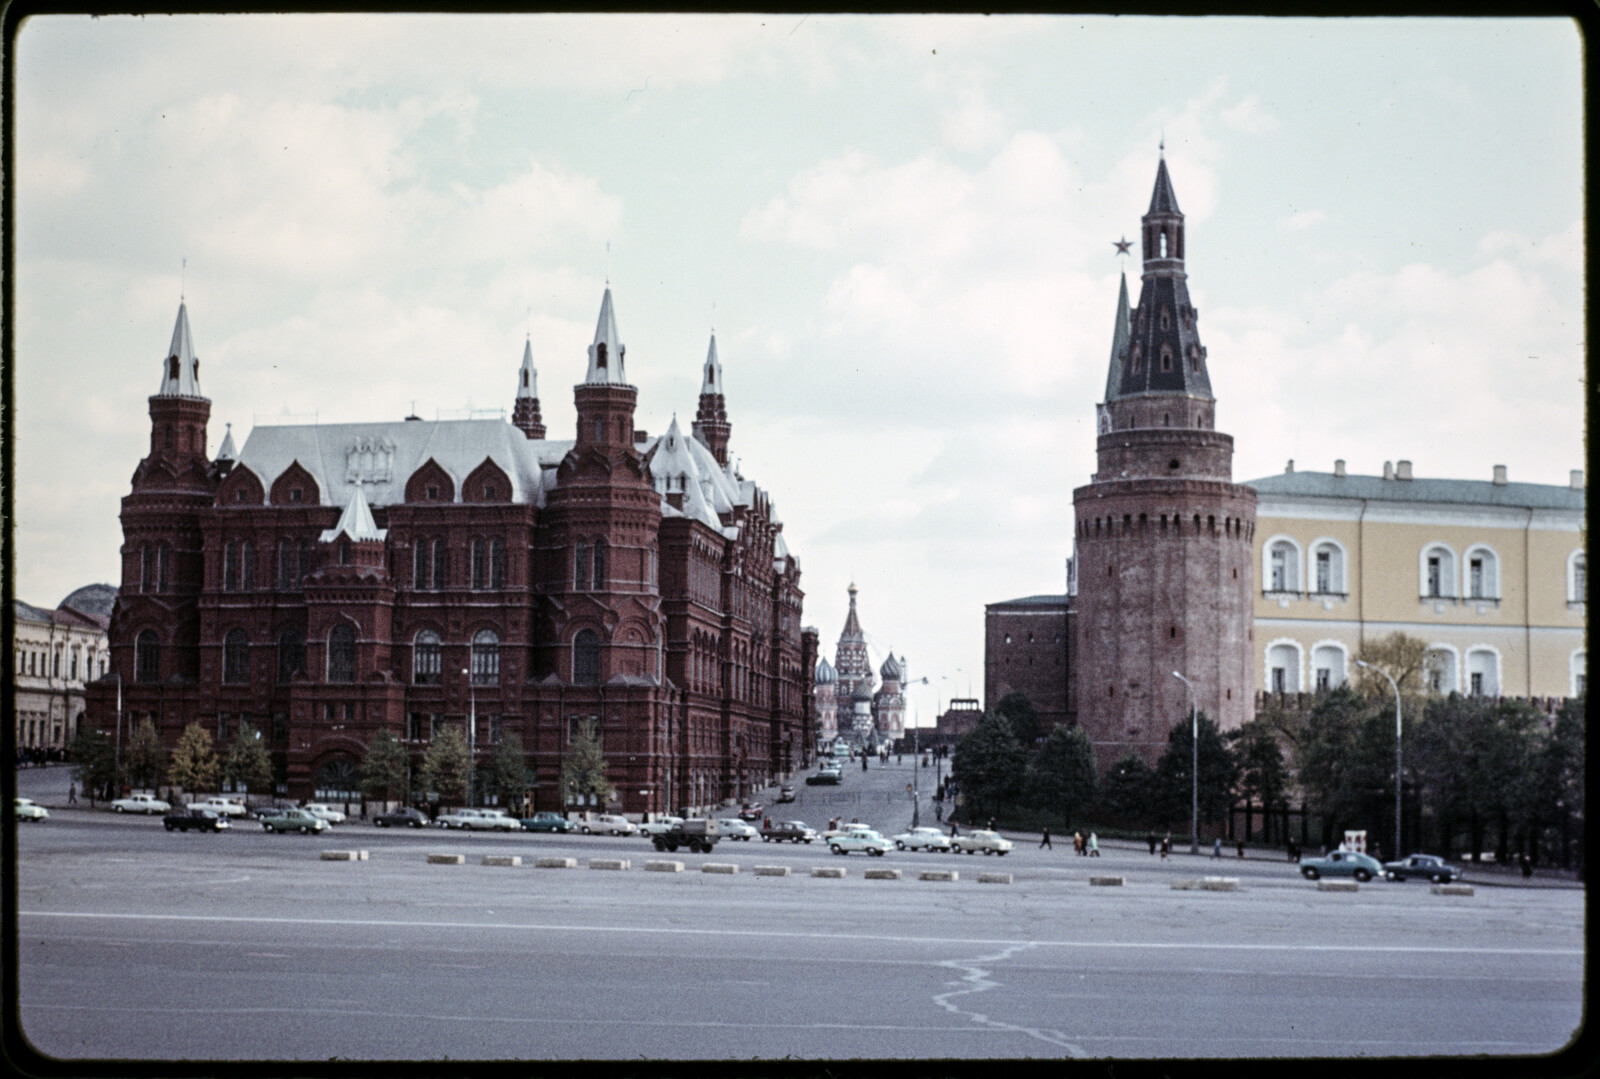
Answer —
(1491, 574)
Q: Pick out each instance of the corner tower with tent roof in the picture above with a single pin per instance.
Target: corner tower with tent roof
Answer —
(1163, 534)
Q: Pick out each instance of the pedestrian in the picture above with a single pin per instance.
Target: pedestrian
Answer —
(1151, 839)
(938, 811)
(72, 794)
(1527, 865)
(1166, 846)
(1094, 845)
(1077, 842)
(1044, 837)
(954, 831)
(991, 824)
(1216, 847)
(1294, 851)
(1239, 846)
(863, 762)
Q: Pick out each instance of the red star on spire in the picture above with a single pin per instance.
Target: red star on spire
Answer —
(1121, 245)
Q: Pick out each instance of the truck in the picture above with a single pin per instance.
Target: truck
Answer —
(195, 819)
(698, 834)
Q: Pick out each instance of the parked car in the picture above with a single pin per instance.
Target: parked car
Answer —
(922, 839)
(1431, 866)
(28, 809)
(845, 828)
(864, 839)
(546, 821)
(981, 839)
(733, 828)
(823, 779)
(607, 824)
(1341, 863)
(659, 826)
(293, 820)
(478, 820)
(786, 793)
(197, 820)
(752, 811)
(141, 803)
(325, 811)
(795, 831)
(404, 817)
(222, 807)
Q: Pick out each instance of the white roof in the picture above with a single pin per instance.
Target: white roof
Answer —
(187, 380)
(527, 378)
(683, 465)
(605, 332)
(356, 521)
(383, 456)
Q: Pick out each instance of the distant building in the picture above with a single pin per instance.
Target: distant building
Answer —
(849, 702)
(1491, 574)
(1027, 648)
(57, 654)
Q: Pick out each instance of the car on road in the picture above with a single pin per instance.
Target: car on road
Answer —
(794, 831)
(404, 817)
(922, 839)
(980, 839)
(823, 779)
(478, 820)
(1341, 863)
(293, 820)
(28, 809)
(222, 807)
(733, 828)
(325, 811)
(607, 824)
(195, 820)
(1429, 866)
(545, 821)
(863, 839)
(843, 829)
(751, 811)
(786, 793)
(141, 803)
(660, 826)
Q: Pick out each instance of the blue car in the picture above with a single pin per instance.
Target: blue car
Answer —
(1342, 863)
(546, 822)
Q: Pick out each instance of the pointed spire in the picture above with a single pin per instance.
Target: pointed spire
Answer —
(711, 424)
(525, 415)
(356, 521)
(227, 452)
(852, 625)
(1162, 199)
(712, 380)
(528, 377)
(607, 351)
(180, 371)
(1119, 341)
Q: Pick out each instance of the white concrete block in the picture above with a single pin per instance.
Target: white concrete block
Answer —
(939, 874)
(1106, 882)
(994, 878)
(447, 859)
(658, 866)
(771, 871)
(1451, 889)
(1338, 886)
(343, 855)
(610, 863)
(502, 859)
(556, 863)
(719, 867)
(831, 871)
(882, 874)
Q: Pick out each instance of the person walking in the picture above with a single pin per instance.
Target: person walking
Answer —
(1044, 837)
(991, 824)
(1077, 842)
(72, 794)
(1216, 847)
(954, 831)
(1239, 846)
(1151, 839)
(938, 811)
(1527, 865)
(1166, 846)
(1094, 845)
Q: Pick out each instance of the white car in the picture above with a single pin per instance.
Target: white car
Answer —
(860, 839)
(478, 820)
(222, 807)
(324, 811)
(659, 827)
(922, 839)
(734, 828)
(845, 829)
(141, 803)
(28, 809)
(986, 841)
(607, 823)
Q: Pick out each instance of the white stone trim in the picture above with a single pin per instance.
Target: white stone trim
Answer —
(1341, 577)
(1450, 582)
(1297, 568)
(1572, 582)
(1299, 664)
(1453, 681)
(1493, 564)
(1482, 649)
(1340, 675)
(1577, 666)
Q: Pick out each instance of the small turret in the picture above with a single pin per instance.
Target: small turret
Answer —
(607, 352)
(711, 425)
(180, 373)
(178, 411)
(604, 399)
(525, 414)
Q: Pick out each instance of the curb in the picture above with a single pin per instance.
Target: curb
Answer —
(1452, 889)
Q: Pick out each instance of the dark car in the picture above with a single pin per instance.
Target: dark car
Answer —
(823, 779)
(546, 821)
(1429, 866)
(404, 817)
(751, 811)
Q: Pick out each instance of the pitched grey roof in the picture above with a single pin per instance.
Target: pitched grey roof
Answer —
(94, 600)
(1119, 341)
(1460, 492)
(187, 380)
(1162, 199)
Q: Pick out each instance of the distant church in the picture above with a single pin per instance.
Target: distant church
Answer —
(847, 705)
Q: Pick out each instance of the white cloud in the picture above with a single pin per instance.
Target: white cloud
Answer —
(1301, 219)
(1250, 116)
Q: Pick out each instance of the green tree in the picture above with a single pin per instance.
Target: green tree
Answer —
(583, 767)
(194, 761)
(446, 765)
(509, 775)
(248, 763)
(1062, 776)
(1019, 711)
(988, 766)
(1263, 779)
(1559, 779)
(1172, 789)
(93, 761)
(1125, 791)
(386, 766)
(144, 759)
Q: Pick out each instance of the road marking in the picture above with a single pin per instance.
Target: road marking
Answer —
(374, 923)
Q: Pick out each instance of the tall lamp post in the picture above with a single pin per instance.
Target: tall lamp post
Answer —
(916, 765)
(1194, 767)
(116, 764)
(1364, 665)
(472, 738)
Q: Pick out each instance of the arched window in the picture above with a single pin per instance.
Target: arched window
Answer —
(163, 564)
(486, 658)
(580, 566)
(147, 579)
(586, 658)
(425, 658)
(599, 564)
(1483, 672)
(1327, 568)
(247, 566)
(291, 654)
(285, 565)
(147, 657)
(338, 780)
(1440, 666)
(342, 654)
(1438, 572)
(230, 566)
(1282, 570)
(497, 563)
(1328, 669)
(236, 657)
(441, 564)
(344, 552)
(1483, 573)
(302, 559)
(1577, 578)
(480, 564)
(1578, 667)
(1283, 667)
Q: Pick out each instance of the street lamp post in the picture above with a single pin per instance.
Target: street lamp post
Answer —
(472, 738)
(1194, 767)
(916, 766)
(116, 764)
(1363, 664)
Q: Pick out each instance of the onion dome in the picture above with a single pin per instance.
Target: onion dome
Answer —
(826, 675)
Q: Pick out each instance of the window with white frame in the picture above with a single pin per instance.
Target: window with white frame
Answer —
(1327, 568)
(1283, 668)
(1483, 673)
(1577, 578)
(1328, 670)
(1579, 665)
(1438, 572)
(1483, 573)
(1439, 669)
(1283, 566)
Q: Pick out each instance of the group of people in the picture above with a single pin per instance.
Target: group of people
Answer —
(1089, 847)
(38, 756)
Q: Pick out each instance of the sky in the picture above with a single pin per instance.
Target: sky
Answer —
(900, 228)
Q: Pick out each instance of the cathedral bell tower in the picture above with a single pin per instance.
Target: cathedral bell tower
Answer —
(1163, 534)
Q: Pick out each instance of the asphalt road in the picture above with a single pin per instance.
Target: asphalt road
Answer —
(140, 944)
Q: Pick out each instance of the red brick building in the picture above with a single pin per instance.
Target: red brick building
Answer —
(1027, 648)
(328, 581)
